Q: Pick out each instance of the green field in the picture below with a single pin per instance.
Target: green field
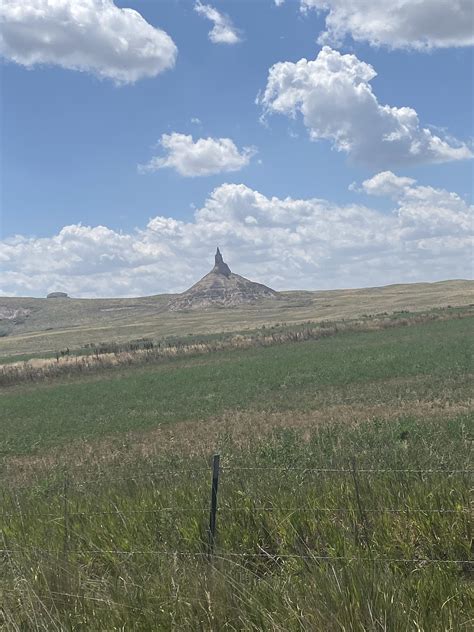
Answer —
(427, 362)
(106, 489)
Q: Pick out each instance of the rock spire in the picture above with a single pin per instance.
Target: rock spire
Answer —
(220, 267)
(221, 288)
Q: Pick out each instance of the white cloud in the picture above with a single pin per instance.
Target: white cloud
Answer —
(88, 35)
(285, 243)
(423, 211)
(334, 96)
(386, 183)
(204, 157)
(416, 24)
(223, 31)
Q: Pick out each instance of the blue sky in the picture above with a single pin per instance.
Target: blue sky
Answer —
(72, 142)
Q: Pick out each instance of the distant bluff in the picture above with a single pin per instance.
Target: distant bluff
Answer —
(221, 288)
(57, 295)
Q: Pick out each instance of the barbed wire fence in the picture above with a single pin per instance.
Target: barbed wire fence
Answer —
(213, 510)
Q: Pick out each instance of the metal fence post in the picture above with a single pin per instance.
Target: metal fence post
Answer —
(213, 511)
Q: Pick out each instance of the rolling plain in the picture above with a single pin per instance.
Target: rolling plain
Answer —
(345, 481)
(42, 326)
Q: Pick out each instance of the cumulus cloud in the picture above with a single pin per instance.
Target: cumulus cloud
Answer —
(205, 157)
(286, 243)
(423, 211)
(386, 183)
(416, 24)
(223, 31)
(335, 98)
(88, 35)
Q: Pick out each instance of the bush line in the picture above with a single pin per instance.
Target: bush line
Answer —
(141, 352)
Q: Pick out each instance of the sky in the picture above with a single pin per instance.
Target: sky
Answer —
(320, 143)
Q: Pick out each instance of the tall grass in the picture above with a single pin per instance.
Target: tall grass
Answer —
(126, 548)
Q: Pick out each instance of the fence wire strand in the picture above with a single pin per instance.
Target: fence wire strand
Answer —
(238, 554)
(238, 468)
(230, 468)
(276, 509)
(223, 509)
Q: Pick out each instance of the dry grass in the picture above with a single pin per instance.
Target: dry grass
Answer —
(196, 440)
(37, 369)
(59, 323)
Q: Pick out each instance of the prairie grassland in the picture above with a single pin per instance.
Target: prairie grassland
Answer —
(106, 489)
(53, 324)
(430, 362)
(93, 358)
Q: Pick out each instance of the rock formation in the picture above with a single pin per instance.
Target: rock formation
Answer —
(57, 295)
(220, 267)
(13, 314)
(221, 288)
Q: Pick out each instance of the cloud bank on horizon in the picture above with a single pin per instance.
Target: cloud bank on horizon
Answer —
(285, 243)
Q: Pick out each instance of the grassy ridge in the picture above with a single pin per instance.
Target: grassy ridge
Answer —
(413, 363)
(51, 324)
(93, 358)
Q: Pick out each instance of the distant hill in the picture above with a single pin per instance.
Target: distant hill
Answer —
(221, 288)
(40, 325)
